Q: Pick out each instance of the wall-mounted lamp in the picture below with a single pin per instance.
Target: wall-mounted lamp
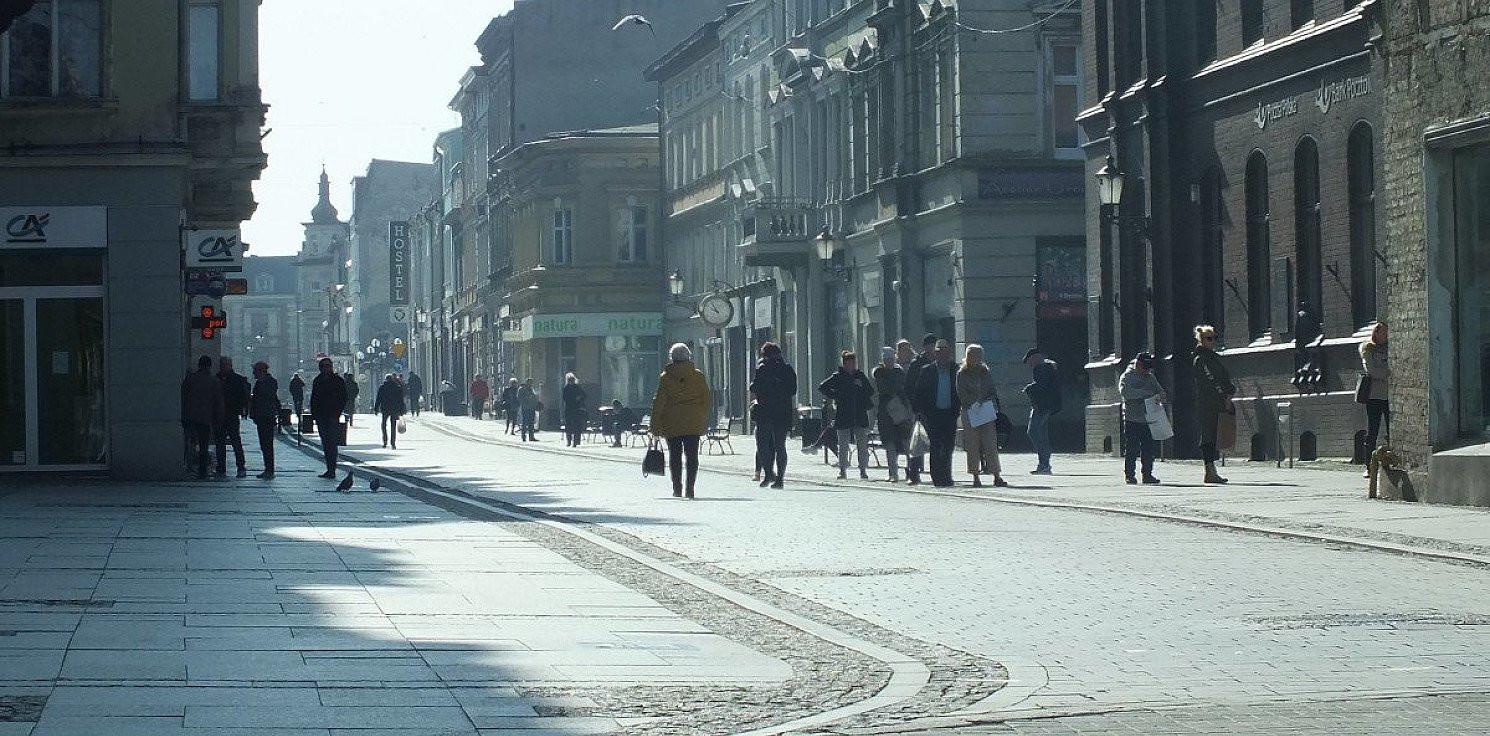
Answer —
(675, 285)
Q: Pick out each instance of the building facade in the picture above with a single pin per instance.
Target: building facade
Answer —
(1437, 168)
(321, 287)
(119, 131)
(1247, 134)
(931, 145)
(262, 324)
(585, 294)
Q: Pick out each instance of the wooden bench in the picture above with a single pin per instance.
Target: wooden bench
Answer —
(718, 438)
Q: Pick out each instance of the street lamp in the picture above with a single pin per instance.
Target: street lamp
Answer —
(675, 284)
(827, 246)
(1110, 182)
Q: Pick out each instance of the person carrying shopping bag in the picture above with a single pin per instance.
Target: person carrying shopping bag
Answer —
(980, 408)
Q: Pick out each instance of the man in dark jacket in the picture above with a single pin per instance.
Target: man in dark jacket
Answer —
(235, 395)
(263, 409)
(328, 400)
(775, 390)
(915, 464)
(852, 395)
(507, 403)
(1045, 400)
(413, 392)
(297, 394)
(937, 406)
(389, 405)
(201, 410)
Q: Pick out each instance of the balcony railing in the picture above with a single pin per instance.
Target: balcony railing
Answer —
(778, 231)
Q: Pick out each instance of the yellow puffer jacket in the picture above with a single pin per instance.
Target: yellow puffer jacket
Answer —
(681, 406)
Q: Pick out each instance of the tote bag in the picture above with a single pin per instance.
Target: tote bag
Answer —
(1158, 419)
(653, 463)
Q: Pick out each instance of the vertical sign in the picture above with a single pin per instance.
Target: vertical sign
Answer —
(398, 263)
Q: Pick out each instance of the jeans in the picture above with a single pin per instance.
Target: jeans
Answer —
(266, 429)
(770, 449)
(201, 434)
(227, 434)
(330, 430)
(389, 425)
(1377, 410)
(941, 431)
(530, 417)
(860, 437)
(677, 449)
(1039, 432)
(1138, 443)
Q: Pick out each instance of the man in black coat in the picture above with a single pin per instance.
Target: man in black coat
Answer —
(235, 395)
(775, 390)
(852, 394)
(936, 404)
(389, 405)
(328, 400)
(297, 394)
(263, 409)
(414, 391)
(914, 464)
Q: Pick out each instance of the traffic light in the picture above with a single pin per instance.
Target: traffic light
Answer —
(210, 321)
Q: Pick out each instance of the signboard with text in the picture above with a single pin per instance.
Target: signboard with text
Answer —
(398, 263)
(53, 227)
(597, 324)
(216, 250)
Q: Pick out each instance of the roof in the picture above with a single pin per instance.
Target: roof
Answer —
(691, 48)
(280, 269)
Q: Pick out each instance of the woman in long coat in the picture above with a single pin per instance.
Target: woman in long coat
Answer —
(1213, 392)
(680, 415)
(889, 386)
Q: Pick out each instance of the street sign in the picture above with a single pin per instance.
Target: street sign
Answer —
(399, 366)
(237, 287)
(220, 250)
(399, 315)
(211, 320)
(399, 348)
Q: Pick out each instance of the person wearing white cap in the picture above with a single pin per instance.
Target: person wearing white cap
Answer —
(680, 415)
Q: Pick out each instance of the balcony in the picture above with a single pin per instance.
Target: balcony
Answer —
(778, 232)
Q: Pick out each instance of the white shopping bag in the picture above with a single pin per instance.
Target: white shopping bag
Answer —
(1158, 419)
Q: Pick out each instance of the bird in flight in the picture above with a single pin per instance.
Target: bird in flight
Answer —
(634, 19)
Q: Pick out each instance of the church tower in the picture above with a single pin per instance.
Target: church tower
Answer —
(322, 269)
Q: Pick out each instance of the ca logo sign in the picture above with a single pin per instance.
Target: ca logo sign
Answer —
(27, 228)
(216, 249)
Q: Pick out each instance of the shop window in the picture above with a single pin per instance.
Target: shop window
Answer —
(203, 41)
(568, 358)
(631, 368)
(1258, 246)
(1472, 290)
(54, 50)
(1364, 263)
(1307, 236)
(1252, 22)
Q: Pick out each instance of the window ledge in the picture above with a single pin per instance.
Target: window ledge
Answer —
(52, 105)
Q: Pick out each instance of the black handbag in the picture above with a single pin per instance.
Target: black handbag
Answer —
(653, 463)
(1363, 388)
(1003, 428)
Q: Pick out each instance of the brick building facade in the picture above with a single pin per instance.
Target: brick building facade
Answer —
(1247, 133)
(1437, 174)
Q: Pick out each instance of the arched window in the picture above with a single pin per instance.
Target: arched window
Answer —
(1212, 244)
(1307, 234)
(1251, 22)
(1361, 181)
(1259, 246)
(264, 284)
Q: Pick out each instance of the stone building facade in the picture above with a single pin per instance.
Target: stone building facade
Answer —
(931, 143)
(1437, 171)
(262, 323)
(321, 276)
(119, 132)
(1248, 136)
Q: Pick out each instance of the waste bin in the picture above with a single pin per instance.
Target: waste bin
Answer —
(809, 423)
(449, 404)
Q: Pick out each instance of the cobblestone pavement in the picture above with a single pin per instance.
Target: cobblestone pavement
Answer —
(1091, 613)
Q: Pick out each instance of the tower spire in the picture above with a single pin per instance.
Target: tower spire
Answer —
(325, 213)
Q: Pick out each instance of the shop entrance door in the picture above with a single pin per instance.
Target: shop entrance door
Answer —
(52, 379)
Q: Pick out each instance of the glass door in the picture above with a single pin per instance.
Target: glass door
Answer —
(70, 381)
(13, 414)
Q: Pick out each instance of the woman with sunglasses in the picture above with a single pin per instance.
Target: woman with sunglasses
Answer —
(1214, 390)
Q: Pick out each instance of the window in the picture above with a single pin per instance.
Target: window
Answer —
(1129, 39)
(203, 29)
(1471, 298)
(631, 232)
(1258, 247)
(1103, 47)
(1213, 246)
(1307, 228)
(1251, 22)
(54, 50)
(1303, 12)
(563, 240)
(1205, 31)
(1065, 96)
(264, 284)
(1361, 181)
(631, 368)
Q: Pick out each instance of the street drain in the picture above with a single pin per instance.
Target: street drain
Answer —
(863, 573)
(21, 708)
(1333, 620)
(59, 602)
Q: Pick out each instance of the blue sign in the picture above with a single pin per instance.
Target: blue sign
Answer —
(400, 365)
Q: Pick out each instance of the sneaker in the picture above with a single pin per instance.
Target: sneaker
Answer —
(776, 484)
(863, 475)
(1000, 482)
(1150, 480)
(766, 481)
(843, 475)
(1130, 480)
(1042, 471)
(243, 472)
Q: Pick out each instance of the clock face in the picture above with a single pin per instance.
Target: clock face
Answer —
(716, 310)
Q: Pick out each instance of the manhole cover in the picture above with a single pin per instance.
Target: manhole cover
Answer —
(21, 708)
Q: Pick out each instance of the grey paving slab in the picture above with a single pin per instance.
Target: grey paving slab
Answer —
(410, 717)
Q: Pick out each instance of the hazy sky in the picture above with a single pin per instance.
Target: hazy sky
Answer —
(348, 81)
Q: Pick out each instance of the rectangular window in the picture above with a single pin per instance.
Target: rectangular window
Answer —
(631, 234)
(1065, 95)
(563, 240)
(54, 50)
(203, 42)
(1252, 22)
(1472, 289)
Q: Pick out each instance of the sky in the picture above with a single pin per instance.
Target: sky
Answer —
(348, 81)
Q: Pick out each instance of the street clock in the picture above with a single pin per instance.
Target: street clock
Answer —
(716, 310)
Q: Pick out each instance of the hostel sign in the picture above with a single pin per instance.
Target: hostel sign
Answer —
(398, 263)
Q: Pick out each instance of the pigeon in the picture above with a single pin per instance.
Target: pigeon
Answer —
(635, 20)
(375, 485)
(345, 486)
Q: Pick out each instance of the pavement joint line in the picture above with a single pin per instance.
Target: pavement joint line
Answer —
(908, 675)
(1301, 535)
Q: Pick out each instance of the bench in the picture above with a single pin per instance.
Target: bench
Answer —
(718, 438)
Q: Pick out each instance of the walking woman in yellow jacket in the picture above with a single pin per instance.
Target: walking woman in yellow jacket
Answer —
(680, 414)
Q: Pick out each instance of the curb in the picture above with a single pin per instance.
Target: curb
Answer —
(1373, 545)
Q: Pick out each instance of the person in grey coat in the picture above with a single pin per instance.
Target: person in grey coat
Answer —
(1137, 385)
(1374, 363)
